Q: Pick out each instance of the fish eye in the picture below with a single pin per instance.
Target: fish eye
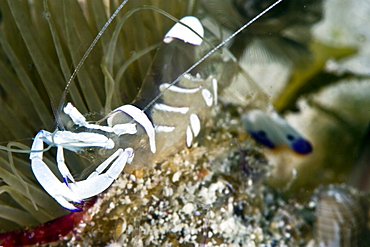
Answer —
(290, 137)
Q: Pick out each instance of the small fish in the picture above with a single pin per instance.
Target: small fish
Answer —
(274, 132)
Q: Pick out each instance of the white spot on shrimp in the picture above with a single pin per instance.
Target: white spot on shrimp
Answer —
(181, 32)
(208, 97)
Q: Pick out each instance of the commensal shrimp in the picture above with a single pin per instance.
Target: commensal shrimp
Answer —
(185, 104)
(190, 74)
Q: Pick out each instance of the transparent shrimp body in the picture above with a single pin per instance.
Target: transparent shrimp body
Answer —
(124, 120)
(169, 109)
(219, 78)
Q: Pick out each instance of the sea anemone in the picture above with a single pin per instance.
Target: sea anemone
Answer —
(41, 43)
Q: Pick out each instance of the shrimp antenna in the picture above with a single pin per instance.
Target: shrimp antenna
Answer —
(213, 51)
(84, 57)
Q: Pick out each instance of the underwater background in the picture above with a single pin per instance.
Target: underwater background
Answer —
(311, 59)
